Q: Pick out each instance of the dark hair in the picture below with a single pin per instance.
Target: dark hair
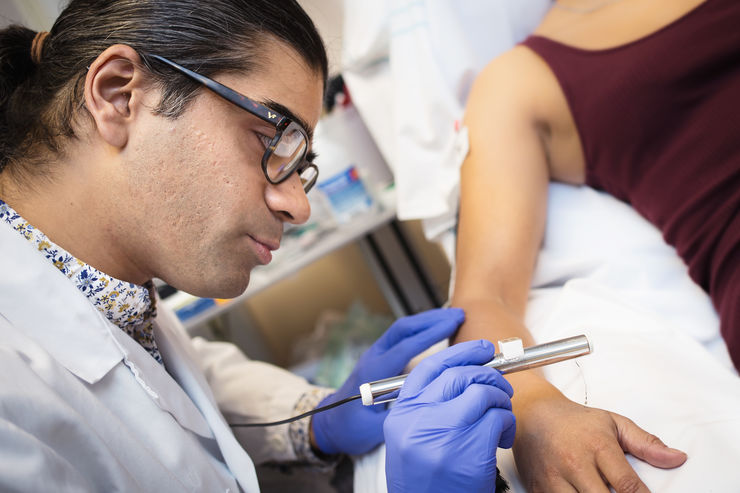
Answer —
(38, 102)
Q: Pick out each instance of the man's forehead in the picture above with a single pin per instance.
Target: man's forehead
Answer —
(295, 89)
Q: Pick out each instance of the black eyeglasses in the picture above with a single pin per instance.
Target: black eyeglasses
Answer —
(285, 152)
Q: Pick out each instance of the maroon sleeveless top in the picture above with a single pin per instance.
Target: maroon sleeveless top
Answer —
(659, 121)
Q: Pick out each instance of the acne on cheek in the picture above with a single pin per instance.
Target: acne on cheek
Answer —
(220, 161)
(201, 141)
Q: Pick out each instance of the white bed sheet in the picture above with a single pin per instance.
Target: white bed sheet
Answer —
(658, 357)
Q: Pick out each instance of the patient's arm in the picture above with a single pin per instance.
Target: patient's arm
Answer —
(516, 146)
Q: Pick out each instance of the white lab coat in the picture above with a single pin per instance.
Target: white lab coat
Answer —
(83, 407)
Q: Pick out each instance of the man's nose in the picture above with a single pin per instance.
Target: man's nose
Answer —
(288, 200)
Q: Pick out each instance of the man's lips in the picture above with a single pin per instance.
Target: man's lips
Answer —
(263, 249)
(270, 244)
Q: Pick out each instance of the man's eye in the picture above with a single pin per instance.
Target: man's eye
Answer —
(264, 139)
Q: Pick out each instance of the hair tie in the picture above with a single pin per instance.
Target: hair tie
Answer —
(38, 45)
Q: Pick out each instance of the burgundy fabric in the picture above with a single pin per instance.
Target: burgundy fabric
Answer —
(659, 120)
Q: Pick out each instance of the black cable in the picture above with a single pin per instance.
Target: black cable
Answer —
(300, 416)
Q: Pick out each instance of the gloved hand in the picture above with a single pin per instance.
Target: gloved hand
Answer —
(443, 432)
(355, 429)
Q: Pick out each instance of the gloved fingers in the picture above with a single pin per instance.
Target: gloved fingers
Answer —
(373, 417)
(408, 326)
(392, 361)
(400, 354)
(474, 403)
(381, 362)
(465, 353)
(335, 432)
(452, 382)
(508, 426)
(500, 426)
(365, 433)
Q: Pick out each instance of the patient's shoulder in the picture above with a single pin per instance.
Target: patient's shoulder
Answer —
(518, 90)
(520, 81)
(517, 67)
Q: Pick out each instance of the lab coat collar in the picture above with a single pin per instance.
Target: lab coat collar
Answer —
(39, 299)
(163, 388)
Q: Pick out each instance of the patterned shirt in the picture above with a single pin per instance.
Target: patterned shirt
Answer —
(129, 306)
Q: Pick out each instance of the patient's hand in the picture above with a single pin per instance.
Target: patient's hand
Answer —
(562, 446)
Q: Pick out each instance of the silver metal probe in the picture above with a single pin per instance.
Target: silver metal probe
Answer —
(507, 361)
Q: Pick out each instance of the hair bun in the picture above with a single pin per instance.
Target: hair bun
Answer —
(37, 46)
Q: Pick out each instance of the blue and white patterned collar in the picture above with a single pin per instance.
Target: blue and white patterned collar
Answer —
(129, 306)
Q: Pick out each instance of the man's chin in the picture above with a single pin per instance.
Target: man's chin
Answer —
(223, 287)
(234, 291)
(230, 288)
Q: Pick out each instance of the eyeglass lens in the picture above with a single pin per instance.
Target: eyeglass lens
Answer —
(308, 177)
(287, 155)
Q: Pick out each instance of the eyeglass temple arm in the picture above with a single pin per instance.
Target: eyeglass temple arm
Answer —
(227, 93)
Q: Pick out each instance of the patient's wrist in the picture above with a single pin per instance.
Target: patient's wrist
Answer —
(491, 320)
(531, 386)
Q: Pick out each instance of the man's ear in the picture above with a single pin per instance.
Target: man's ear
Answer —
(114, 92)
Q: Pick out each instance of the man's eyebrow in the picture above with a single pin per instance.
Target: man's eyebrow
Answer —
(286, 112)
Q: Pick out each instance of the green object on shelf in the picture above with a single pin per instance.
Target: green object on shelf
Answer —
(346, 340)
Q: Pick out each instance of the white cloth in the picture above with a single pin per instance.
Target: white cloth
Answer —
(83, 407)
(409, 66)
(658, 357)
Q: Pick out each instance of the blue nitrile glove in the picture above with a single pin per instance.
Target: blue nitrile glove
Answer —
(443, 432)
(355, 429)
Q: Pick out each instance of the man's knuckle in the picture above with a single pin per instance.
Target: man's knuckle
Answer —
(627, 484)
(571, 463)
(551, 475)
(651, 440)
(602, 448)
(540, 485)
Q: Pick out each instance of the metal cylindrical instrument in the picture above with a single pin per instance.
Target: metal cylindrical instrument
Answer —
(386, 390)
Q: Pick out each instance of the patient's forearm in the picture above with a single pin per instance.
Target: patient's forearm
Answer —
(489, 318)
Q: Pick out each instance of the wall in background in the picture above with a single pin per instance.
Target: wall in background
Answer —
(328, 16)
(35, 14)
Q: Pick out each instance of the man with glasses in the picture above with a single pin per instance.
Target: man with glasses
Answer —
(287, 151)
(119, 164)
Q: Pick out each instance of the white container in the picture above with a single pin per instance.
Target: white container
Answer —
(340, 176)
